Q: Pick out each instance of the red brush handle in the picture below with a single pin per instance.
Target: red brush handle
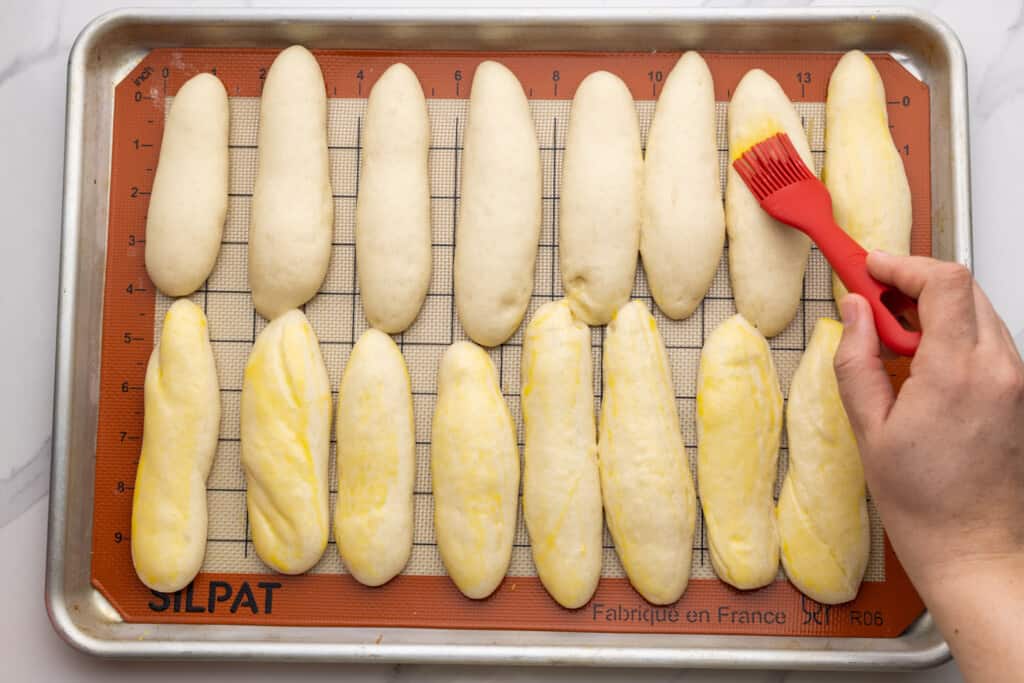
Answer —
(888, 304)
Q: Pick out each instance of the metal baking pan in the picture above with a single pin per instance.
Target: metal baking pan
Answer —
(112, 44)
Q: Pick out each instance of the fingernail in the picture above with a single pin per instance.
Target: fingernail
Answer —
(848, 311)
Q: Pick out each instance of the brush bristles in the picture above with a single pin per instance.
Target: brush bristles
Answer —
(771, 165)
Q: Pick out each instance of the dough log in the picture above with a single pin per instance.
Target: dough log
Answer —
(189, 202)
(373, 518)
(499, 210)
(292, 209)
(474, 465)
(683, 220)
(601, 194)
(863, 170)
(822, 513)
(739, 422)
(561, 485)
(179, 440)
(766, 258)
(645, 476)
(393, 207)
(286, 423)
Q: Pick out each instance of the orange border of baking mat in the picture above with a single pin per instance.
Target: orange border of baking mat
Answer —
(883, 609)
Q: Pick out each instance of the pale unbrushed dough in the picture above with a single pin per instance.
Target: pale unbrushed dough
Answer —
(822, 514)
(181, 424)
(561, 485)
(292, 209)
(286, 425)
(739, 422)
(189, 201)
(499, 208)
(766, 258)
(373, 514)
(393, 206)
(683, 226)
(863, 170)
(474, 465)
(645, 476)
(599, 209)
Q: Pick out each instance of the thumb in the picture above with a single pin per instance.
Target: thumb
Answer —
(863, 382)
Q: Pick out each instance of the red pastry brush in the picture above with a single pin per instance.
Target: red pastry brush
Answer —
(790, 193)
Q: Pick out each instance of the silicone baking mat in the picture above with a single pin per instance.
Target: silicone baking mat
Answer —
(234, 586)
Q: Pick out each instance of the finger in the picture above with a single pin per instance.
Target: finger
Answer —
(1014, 350)
(991, 329)
(1008, 345)
(863, 382)
(1011, 343)
(944, 293)
(1006, 341)
(909, 274)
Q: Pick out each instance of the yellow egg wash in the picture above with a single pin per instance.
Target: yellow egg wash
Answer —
(475, 471)
(822, 511)
(645, 479)
(739, 425)
(285, 433)
(373, 518)
(742, 140)
(561, 484)
(180, 428)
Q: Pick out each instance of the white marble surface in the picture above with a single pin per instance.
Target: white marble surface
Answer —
(35, 37)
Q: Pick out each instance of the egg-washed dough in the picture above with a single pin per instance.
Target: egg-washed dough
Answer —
(766, 258)
(181, 424)
(373, 515)
(474, 465)
(739, 422)
(822, 513)
(601, 194)
(393, 205)
(189, 202)
(286, 424)
(683, 226)
(561, 485)
(645, 475)
(863, 169)
(292, 210)
(499, 208)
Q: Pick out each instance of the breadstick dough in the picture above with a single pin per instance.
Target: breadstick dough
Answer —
(376, 441)
(600, 205)
(766, 258)
(189, 202)
(739, 422)
(645, 475)
(863, 169)
(179, 440)
(474, 465)
(822, 513)
(393, 237)
(561, 485)
(286, 423)
(292, 210)
(499, 209)
(683, 220)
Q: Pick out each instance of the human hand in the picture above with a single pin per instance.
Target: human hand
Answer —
(944, 459)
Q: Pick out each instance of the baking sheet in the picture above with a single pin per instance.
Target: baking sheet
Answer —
(423, 597)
